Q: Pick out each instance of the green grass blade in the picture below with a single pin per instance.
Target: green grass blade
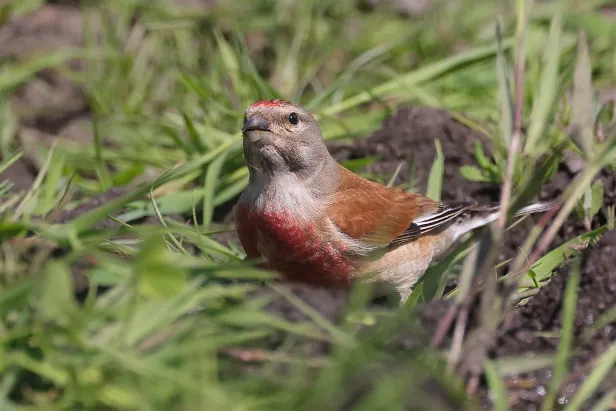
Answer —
(230, 63)
(34, 190)
(5, 164)
(602, 321)
(194, 134)
(8, 126)
(178, 140)
(159, 274)
(434, 278)
(519, 365)
(87, 220)
(544, 267)
(102, 172)
(57, 301)
(437, 171)
(426, 73)
(497, 388)
(561, 365)
(211, 182)
(504, 87)
(15, 74)
(395, 175)
(314, 315)
(606, 403)
(232, 190)
(543, 106)
(164, 224)
(605, 364)
(582, 99)
(52, 184)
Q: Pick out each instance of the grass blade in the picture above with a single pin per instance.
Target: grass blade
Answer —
(603, 320)
(437, 171)
(52, 184)
(561, 364)
(543, 106)
(87, 220)
(518, 365)
(606, 403)
(102, 171)
(604, 365)
(428, 72)
(497, 388)
(13, 75)
(582, 101)
(193, 133)
(506, 100)
(211, 182)
(8, 125)
(36, 185)
(5, 164)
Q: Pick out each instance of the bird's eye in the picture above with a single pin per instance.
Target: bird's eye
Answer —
(294, 119)
(245, 117)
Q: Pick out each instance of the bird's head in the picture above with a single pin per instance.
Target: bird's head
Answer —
(281, 137)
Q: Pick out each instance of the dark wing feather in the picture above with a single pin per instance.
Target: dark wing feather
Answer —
(445, 213)
(410, 234)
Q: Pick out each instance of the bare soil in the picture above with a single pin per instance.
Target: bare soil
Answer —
(415, 129)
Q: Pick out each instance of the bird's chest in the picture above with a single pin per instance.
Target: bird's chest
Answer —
(281, 232)
(298, 249)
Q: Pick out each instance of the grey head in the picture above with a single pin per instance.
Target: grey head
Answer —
(280, 137)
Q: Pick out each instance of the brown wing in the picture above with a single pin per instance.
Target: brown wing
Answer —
(374, 213)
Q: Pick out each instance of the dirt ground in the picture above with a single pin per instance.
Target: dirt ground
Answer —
(416, 128)
(411, 129)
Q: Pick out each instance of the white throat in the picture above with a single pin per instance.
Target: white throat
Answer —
(282, 192)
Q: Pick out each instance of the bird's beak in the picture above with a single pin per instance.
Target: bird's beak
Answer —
(256, 123)
(257, 129)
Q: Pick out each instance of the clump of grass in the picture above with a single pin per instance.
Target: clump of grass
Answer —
(525, 161)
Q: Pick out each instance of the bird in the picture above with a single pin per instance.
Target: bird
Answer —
(315, 222)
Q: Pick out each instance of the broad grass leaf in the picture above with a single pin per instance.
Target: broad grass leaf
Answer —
(57, 302)
(158, 273)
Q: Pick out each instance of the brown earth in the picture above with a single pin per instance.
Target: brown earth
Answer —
(415, 129)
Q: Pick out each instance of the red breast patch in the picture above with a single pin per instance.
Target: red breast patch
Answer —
(297, 251)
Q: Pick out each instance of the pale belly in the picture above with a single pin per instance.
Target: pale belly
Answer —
(400, 266)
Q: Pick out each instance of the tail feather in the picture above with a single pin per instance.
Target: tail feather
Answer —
(540, 207)
(480, 216)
